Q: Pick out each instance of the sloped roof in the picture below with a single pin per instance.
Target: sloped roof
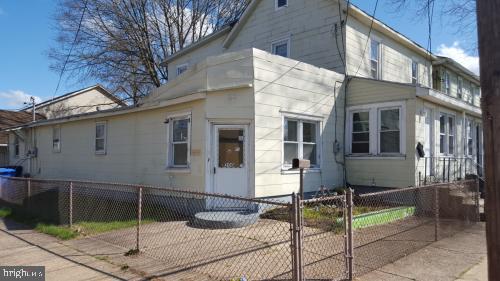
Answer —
(14, 118)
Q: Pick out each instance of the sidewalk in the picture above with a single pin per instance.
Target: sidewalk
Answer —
(461, 257)
(22, 246)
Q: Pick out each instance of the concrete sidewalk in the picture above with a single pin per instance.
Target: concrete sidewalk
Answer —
(22, 246)
(459, 257)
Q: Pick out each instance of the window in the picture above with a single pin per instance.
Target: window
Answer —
(300, 141)
(446, 134)
(100, 138)
(181, 68)
(16, 146)
(179, 148)
(375, 59)
(470, 140)
(281, 48)
(278, 4)
(414, 72)
(56, 139)
(446, 83)
(389, 132)
(376, 129)
(360, 132)
(460, 87)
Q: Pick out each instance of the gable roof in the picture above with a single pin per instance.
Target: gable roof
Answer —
(97, 87)
(14, 118)
(456, 66)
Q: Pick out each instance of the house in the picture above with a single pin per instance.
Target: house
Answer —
(9, 119)
(15, 149)
(319, 80)
(88, 99)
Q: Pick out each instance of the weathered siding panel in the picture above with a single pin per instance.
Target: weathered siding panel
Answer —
(396, 59)
(366, 91)
(285, 87)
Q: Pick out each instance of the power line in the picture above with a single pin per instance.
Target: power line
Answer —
(71, 48)
(368, 38)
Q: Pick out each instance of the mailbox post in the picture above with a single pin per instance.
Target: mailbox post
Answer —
(301, 164)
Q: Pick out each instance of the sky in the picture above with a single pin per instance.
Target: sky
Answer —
(26, 34)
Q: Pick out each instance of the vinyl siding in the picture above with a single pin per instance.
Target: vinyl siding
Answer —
(396, 59)
(282, 88)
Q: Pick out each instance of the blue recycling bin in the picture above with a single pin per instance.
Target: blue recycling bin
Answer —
(7, 172)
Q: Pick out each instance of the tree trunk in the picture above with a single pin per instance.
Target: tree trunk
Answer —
(489, 53)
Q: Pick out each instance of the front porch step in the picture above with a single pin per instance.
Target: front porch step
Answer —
(225, 219)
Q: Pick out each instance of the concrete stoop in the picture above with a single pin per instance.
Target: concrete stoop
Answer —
(225, 219)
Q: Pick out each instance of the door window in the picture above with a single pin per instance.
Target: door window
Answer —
(231, 146)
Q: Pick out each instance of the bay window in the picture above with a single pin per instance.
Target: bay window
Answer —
(300, 140)
(376, 129)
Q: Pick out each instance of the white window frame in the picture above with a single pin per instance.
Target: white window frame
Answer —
(170, 143)
(379, 58)
(469, 135)
(460, 88)
(276, 8)
(105, 137)
(279, 42)
(446, 85)
(58, 149)
(300, 136)
(351, 116)
(374, 110)
(179, 67)
(447, 134)
(415, 80)
(379, 123)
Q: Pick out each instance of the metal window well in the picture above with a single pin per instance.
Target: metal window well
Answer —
(220, 237)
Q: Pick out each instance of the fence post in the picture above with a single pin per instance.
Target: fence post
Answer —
(70, 204)
(436, 213)
(295, 238)
(476, 199)
(300, 236)
(139, 218)
(350, 235)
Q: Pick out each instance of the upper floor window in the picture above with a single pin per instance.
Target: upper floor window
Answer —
(281, 48)
(278, 4)
(181, 68)
(414, 72)
(445, 86)
(100, 137)
(179, 141)
(460, 87)
(470, 140)
(56, 139)
(375, 59)
(16, 146)
(300, 140)
(446, 134)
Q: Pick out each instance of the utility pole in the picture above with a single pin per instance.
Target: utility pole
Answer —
(32, 99)
(488, 23)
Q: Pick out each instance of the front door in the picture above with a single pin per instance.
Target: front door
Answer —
(429, 142)
(230, 155)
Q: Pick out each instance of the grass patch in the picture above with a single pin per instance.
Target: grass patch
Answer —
(64, 232)
(5, 212)
(320, 216)
(61, 232)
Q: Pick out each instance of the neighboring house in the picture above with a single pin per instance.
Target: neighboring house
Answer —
(234, 117)
(88, 99)
(10, 119)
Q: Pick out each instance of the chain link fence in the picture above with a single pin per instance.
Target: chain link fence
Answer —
(224, 237)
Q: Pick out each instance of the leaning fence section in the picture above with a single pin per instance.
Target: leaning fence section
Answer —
(224, 237)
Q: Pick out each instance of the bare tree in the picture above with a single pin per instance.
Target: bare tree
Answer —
(121, 43)
(461, 14)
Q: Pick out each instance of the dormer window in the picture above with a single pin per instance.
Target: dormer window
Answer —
(278, 4)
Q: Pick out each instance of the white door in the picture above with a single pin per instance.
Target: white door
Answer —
(230, 160)
(429, 142)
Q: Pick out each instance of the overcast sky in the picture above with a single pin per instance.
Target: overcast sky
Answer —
(26, 32)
